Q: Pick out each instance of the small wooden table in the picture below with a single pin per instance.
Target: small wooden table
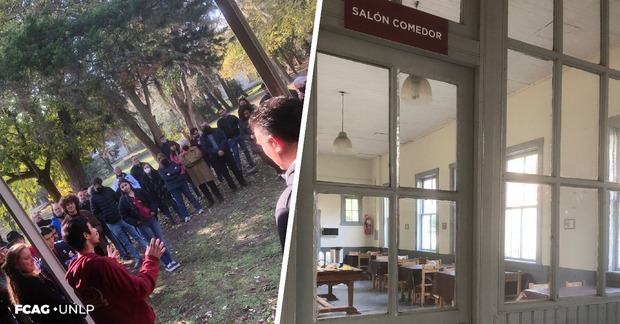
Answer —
(336, 277)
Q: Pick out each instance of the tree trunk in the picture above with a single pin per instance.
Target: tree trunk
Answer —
(297, 58)
(182, 99)
(223, 102)
(43, 176)
(229, 93)
(288, 61)
(107, 163)
(211, 98)
(118, 109)
(144, 108)
(46, 182)
(72, 165)
(285, 76)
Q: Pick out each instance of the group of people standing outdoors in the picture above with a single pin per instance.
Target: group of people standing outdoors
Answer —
(126, 214)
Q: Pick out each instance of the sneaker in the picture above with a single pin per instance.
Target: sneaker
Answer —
(187, 219)
(138, 264)
(172, 266)
(201, 211)
(250, 170)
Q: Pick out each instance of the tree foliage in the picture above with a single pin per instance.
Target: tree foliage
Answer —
(75, 70)
(283, 27)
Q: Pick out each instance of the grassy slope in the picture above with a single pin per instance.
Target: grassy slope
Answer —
(230, 259)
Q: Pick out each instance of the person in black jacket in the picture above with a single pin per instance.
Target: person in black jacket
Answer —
(138, 208)
(215, 143)
(230, 125)
(137, 169)
(104, 205)
(154, 185)
(27, 287)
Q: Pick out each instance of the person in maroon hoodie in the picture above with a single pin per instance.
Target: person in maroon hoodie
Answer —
(116, 295)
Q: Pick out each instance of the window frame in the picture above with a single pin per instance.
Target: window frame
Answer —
(518, 151)
(419, 179)
(343, 211)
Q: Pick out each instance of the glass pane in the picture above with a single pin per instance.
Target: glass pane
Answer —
(529, 116)
(348, 253)
(578, 241)
(582, 29)
(580, 122)
(448, 9)
(427, 130)
(613, 269)
(531, 22)
(426, 244)
(359, 116)
(614, 130)
(527, 245)
(614, 35)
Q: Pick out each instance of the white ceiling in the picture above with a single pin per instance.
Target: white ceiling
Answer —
(366, 86)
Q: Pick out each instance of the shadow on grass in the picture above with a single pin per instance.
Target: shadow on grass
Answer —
(230, 257)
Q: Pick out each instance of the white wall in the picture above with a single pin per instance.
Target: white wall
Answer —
(349, 235)
(434, 150)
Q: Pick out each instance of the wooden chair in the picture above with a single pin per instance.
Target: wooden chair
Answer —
(426, 283)
(538, 286)
(402, 285)
(575, 283)
(380, 280)
(510, 278)
(363, 261)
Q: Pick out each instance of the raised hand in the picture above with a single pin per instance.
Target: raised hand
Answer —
(112, 253)
(156, 248)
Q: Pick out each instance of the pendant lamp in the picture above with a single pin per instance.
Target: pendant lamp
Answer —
(342, 143)
(416, 90)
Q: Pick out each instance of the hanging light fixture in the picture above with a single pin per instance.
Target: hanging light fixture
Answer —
(416, 90)
(342, 143)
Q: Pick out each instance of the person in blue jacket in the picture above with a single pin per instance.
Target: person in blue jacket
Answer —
(176, 184)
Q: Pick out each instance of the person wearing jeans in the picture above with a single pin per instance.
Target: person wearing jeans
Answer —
(139, 208)
(170, 172)
(104, 205)
(122, 230)
(230, 125)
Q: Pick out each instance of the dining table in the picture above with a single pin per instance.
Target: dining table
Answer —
(443, 286)
(535, 294)
(336, 277)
